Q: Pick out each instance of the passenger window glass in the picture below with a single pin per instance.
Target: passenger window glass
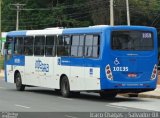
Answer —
(92, 43)
(89, 40)
(96, 40)
(50, 47)
(88, 45)
(8, 46)
(77, 45)
(39, 45)
(132, 40)
(75, 40)
(63, 47)
(66, 40)
(19, 46)
(80, 51)
(74, 51)
(81, 42)
(28, 45)
(60, 40)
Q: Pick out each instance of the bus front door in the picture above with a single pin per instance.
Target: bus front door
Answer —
(8, 61)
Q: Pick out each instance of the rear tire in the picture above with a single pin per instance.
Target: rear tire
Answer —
(107, 95)
(65, 87)
(18, 81)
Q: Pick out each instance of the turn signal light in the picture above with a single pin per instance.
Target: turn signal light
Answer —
(109, 72)
(154, 72)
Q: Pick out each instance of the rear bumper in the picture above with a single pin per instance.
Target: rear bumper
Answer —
(127, 90)
(129, 86)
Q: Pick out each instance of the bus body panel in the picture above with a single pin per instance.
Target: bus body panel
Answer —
(15, 63)
(87, 74)
(122, 64)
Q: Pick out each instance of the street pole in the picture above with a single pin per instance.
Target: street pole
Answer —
(18, 6)
(17, 21)
(111, 13)
(128, 15)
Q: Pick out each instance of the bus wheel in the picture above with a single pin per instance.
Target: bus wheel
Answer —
(108, 95)
(65, 88)
(19, 85)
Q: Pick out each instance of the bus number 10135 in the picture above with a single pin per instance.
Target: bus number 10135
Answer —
(120, 69)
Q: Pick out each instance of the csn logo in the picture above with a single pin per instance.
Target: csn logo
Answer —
(41, 66)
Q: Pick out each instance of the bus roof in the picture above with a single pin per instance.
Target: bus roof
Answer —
(59, 31)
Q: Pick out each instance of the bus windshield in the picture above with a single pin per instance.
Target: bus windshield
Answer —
(132, 40)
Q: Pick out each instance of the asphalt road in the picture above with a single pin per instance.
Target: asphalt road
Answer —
(36, 99)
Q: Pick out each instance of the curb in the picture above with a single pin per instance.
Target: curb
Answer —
(1, 77)
(144, 95)
(1, 74)
(148, 96)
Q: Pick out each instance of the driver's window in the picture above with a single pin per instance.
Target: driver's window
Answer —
(18, 45)
(8, 46)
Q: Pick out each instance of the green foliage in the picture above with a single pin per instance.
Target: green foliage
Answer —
(41, 14)
(1, 62)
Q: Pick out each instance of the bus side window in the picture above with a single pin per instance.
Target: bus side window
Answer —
(88, 45)
(28, 45)
(50, 46)
(77, 45)
(92, 43)
(96, 46)
(63, 46)
(7, 47)
(39, 45)
(74, 45)
(18, 45)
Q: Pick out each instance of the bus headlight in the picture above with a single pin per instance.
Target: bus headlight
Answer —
(108, 72)
(154, 72)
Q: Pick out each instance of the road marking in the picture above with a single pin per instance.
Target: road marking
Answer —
(70, 116)
(17, 105)
(2, 88)
(64, 98)
(116, 106)
(152, 104)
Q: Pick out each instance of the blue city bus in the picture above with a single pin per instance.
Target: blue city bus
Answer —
(104, 59)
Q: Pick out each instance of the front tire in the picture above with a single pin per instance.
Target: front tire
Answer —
(65, 87)
(18, 81)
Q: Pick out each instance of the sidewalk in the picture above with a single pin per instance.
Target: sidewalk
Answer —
(1, 74)
(150, 94)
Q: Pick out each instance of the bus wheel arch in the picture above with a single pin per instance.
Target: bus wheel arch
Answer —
(15, 74)
(65, 86)
(18, 81)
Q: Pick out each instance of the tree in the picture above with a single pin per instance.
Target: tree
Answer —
(40, 14)
(78, 13)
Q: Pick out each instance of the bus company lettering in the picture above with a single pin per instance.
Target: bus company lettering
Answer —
(40, 66)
